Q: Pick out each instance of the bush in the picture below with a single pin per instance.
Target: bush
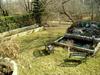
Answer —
(12, 22)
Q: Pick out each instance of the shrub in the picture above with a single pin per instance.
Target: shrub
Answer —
(12, 22)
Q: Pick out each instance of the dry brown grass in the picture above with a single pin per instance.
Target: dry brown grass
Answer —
(9, 48)
(70, 43)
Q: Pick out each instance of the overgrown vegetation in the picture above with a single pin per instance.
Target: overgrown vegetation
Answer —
(32, 58)
(34, 61)
(13, 22)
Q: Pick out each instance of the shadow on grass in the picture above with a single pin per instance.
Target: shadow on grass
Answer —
(70, 63)
(40, 53)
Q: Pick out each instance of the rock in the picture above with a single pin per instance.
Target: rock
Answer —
(85, 28)
(87, 25)
(77, 31)
(10, 66)
(94, 26)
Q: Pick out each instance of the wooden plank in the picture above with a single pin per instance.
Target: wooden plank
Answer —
(59, 39)
(73, 36)
(96, 48)
(74, 47)
(15, 31)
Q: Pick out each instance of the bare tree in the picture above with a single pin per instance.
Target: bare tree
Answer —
(98, 10)
(4, 12)
(70, 44)
(65, 12)
(26, 5)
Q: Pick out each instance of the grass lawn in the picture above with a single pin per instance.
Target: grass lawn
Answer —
(34, 61)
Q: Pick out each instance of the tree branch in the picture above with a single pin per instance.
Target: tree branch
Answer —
(66, 13)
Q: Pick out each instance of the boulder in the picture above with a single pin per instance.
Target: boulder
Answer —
(8, 66)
